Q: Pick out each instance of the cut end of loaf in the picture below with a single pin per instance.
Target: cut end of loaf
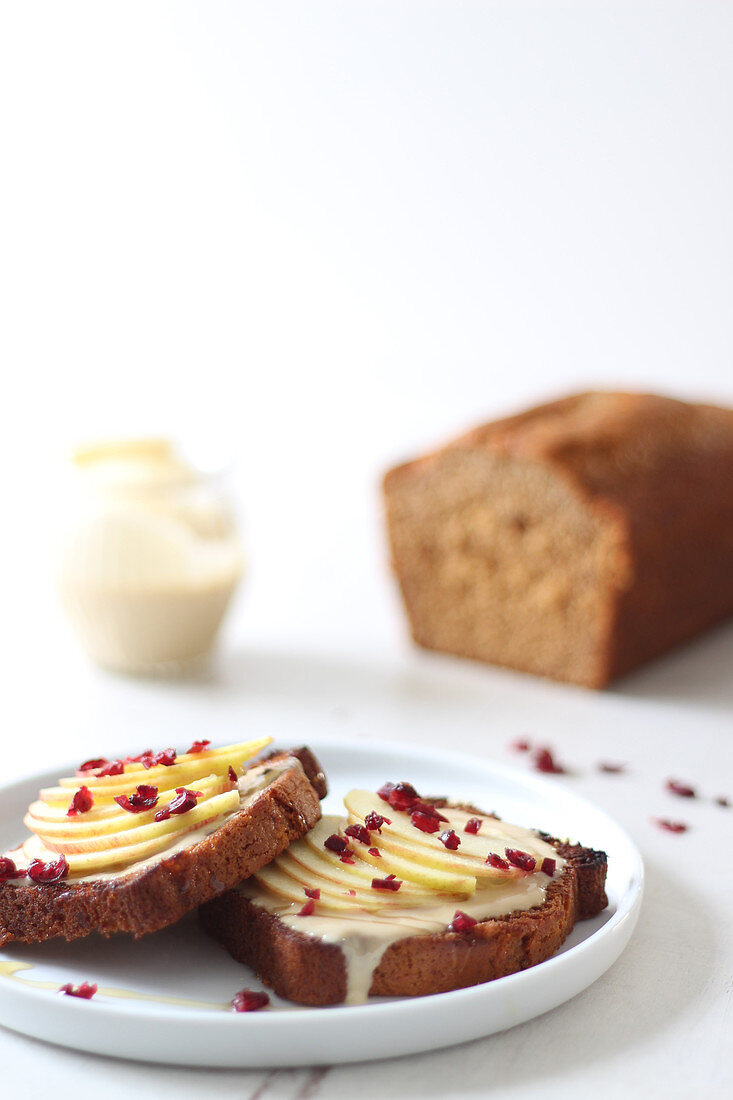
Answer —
(500, 559)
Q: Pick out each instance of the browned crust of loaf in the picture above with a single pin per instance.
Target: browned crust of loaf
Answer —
(159, 896)
(305, 969)
(660, 471)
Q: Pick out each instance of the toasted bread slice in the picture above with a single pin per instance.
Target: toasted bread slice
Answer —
(279, 802)
(313, 969)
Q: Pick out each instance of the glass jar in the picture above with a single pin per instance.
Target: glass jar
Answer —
(150, 556)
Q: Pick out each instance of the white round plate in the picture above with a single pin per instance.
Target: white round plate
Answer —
(179, 981)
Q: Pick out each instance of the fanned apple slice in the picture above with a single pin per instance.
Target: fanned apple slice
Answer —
(107, 842)
(195, 766)
(105, 860)
(310, 852)
(331, 896)
(114, 819)
(441, 857)
(220, 756)
(442, 882)
(361, 803)
(361, 890)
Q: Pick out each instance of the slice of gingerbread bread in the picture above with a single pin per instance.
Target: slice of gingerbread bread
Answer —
(319, 950)
(278, 802)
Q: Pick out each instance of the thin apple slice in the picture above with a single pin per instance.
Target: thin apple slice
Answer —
(311, 853)
(275, 879)
(89, 825)
(361, 891)
(220, 756)
(360, 803)
(110, 860)
(441, 858)
(106, 842)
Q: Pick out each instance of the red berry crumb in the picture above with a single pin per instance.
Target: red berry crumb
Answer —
(521, 745)
(681, 789)
(358, 832)
(721, 800)
(473, 825)
(495, 860)
(184, 801)
(461, 922)
(450, 839)
(426, 823)
(375, 852)
(611, 768)
(544, 761)
(401, 796)
(308, 909)
(548, 866)
(335, 843)
(92, 765)
(346, 857)
(670, 826)
(144, 798)
(162, 815)
(249, 1000)
(81, 803)
(9, 870)
(232, 774)
(523, 860)
(38, 871)
(351, 893)
(388, 883)
(375, 821)
(86, 990)
(198, 746)
(314, 893)
(115, 767)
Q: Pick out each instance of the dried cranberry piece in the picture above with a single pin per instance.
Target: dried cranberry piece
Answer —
(721, 800)
(38, 871)
(374, 821)
(162, 815)
(115, 767)
(473, 825)
(461, 922)
(388, 883)
(346, 856)
(146, 754)
(92, 765)
(375, 852)
(424, 822)
(610, 768)
(548, 866)
(308, 909)
(335, 843)
(544, 761)
(670, 826)
(81, 803)
(167, 757)
(351, 893)
(9, 870)
(314, 893)
(144, 798)
(86, 990)
(523, 860)
(400, 796)
(681, 789)
(198, 746)
(184, 801)
(450, 839)
(521, 745)
(249, 1000)
(430, 810)
(358, 832)
(495, 860)
(232, 774)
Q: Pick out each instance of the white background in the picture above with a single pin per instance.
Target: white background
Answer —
(325, 236)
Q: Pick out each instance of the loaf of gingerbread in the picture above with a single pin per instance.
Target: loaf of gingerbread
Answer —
(576, 540)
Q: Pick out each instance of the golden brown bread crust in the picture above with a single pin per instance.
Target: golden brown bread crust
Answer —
(305, 969)
(154, 898)
(653, 474)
